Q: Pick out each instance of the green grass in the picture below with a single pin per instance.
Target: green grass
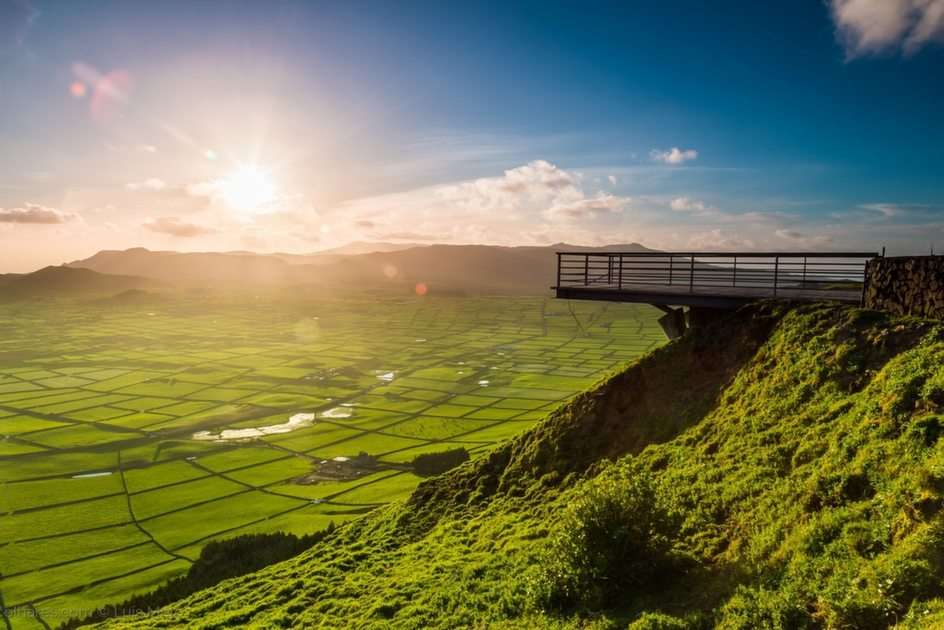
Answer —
(265, 474)
(176, 497)
(54, 521)
(778, 469)
(157, 476)
(187, 526)
(240, 458)
(129, 386)
(391, 487)
(25, 557)
(55, 464)
(78, 435)
(33, 494)
(19, 589)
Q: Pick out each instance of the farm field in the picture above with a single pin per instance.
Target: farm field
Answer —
(130, 436)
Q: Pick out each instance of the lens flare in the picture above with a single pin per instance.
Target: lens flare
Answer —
(421, 289)
(110, 95)
(108, 92)
(307, 330)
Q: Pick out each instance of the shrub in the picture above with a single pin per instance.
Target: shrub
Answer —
(429, 464)
(756, 607)
(658, 621)
(615, 536)
(218, 560)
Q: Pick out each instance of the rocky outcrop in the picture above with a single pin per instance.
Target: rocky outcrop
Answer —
(907, 285)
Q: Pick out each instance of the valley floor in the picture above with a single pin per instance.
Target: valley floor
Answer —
(122, 427)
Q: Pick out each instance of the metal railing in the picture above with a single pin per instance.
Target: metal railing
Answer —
(765, 273)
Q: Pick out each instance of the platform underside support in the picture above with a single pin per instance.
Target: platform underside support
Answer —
(677, 320)
(673, 322)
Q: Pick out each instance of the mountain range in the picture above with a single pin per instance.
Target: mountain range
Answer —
(444, 269)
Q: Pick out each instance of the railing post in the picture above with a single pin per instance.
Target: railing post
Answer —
(620, 276)
(776, 273)
(671, 260)
(734, 279)
(865, 279)
(803, 284)
(609, 270)
(558, 269)
(586, 270)
(691, 275)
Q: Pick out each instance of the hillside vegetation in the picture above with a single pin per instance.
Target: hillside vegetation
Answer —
(781, 468)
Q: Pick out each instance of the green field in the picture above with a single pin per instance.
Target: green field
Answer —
(106, 491)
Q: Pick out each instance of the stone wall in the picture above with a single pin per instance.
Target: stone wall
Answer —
(907, 285)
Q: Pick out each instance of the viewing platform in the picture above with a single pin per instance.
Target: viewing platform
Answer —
(710, 279)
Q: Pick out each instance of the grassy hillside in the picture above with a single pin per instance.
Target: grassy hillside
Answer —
(779, 469)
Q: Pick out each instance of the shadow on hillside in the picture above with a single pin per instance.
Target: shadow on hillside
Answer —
(652, 401)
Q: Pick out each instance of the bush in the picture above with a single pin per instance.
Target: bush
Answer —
(429, 464)
(219, 560)
(616, 536)
(756, 607)
(658, 621)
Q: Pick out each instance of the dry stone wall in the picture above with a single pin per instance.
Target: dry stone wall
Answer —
(907, 285)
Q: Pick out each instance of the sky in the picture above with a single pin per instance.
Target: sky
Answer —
(300, 126)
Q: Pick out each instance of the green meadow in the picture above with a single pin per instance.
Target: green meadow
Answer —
(131, 436)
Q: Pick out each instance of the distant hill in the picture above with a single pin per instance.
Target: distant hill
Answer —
(473, 269)
(68, 282)
(451, 268)
(363, 247)
(201, 269)
(7, 278)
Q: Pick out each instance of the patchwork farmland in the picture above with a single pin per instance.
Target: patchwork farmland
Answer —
(130, 436)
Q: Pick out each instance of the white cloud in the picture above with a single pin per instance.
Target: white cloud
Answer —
(684, 204)
(590, 208)
(176, 227)
(673, 156)
(415, 236)
(538, 182)
(131, 148)
(207, 189)
(152, 184)
(868, 27)
(201, 190)
(806, 240)
(763, 217)
(537, 175)
(535, 202)
(612, 179)
(709, 213)
(887, 210)
(36, 214)
(716, 239)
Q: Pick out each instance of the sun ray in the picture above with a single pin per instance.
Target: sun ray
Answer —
(248, 188)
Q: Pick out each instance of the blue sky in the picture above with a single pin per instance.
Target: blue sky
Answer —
(295, 126)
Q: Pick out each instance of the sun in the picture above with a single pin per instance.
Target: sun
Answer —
(248, 188)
